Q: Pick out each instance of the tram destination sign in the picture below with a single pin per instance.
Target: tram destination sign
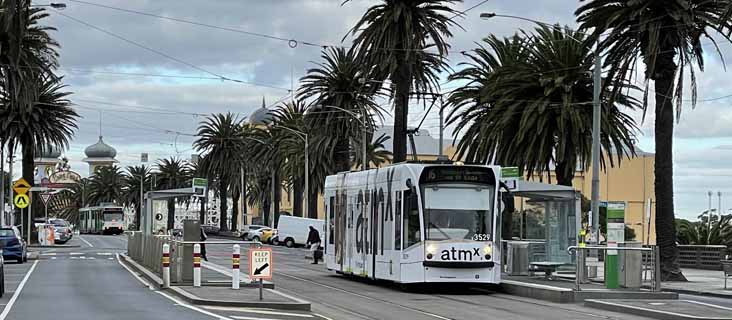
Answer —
(458, 174)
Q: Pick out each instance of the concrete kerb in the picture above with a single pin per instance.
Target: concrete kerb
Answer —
(299, 305)
(699, 293)
(618, 306)
(567, 295)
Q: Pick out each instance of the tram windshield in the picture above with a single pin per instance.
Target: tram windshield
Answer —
(114, 216)
(458, 212)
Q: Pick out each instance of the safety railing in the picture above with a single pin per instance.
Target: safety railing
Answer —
(649, 260)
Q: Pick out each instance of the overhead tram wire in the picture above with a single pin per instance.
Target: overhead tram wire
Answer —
(158, 52)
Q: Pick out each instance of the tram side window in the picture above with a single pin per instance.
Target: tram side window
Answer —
(398, 222)
(411, 219)
(331, 220)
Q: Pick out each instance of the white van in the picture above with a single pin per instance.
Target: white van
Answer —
(294, 231)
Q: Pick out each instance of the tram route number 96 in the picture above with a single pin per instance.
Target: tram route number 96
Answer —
(481, 237)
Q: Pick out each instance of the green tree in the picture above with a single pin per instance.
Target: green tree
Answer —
(394, 37)
(667, 37)
(220, 137)
(527, 102)
(718, 232)
(376, 153)
(133, 178)
(264, 162)
(106, 185)
(174, 174)
(342, 101)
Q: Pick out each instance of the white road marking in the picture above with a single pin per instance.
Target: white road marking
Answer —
(5, 312)
(707, 304)
(91, 258)
(104, 253)
(87, 242)
(110, 258)
(53, 258)
(251, 318)
(133, 274)
(185, 305)
(48, 254)
(77, 253)
(250, 310)
(322, 316)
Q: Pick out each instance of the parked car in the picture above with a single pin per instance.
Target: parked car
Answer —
(62, 230)
(294, 231)
(269, 235)
(248, 229)
(2, 276)
(13, 245)
(258, 235)
(210, 229)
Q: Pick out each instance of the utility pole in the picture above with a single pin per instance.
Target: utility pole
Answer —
(442, 126)
(364, 161)
(307, 177)
(596, 146)
(2, 183)
(719, 210)
(709, 216)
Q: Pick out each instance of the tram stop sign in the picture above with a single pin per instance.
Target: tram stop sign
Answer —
(260, 263)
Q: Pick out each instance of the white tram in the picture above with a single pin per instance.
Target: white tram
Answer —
(104, 219)
(415, 223)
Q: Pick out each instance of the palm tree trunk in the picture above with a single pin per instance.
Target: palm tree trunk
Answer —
(171, 214)
(278, 194)
(235, 210)
(401, 79)
(27, 150)
(665, 224)
(313, 204)
(297, 204)
(342, 155)
(564, 171)
(223, 196)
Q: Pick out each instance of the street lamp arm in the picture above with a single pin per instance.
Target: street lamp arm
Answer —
(488, 15)
(300, 134)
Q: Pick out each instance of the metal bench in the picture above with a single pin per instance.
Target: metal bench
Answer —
(727, 269)
(549, 267)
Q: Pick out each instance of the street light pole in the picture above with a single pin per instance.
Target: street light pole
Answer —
(596, 117)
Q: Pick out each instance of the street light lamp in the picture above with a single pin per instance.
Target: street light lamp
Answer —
(55, 5)
(596, 115)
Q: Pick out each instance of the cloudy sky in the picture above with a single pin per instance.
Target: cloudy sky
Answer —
(150, 79)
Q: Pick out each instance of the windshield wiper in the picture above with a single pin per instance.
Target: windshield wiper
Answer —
(447, 237)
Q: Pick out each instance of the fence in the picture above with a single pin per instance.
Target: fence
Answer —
(701, 257)
(649, 261)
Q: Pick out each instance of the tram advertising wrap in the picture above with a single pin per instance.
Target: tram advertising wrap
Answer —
(414, 223)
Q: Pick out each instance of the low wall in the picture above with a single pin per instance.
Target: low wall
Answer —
(701, 257)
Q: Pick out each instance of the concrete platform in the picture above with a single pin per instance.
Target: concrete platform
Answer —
(563, 291)
(664, 309)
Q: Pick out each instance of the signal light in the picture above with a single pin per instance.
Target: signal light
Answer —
(429, 256)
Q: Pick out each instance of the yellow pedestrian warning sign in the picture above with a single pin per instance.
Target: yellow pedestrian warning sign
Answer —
(21, 186)
(21, 201)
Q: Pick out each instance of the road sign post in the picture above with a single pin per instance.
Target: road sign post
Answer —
(21, 201)
(260, 266)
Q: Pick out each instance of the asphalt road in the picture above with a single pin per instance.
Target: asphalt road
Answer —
(340, 297)
(88, 282)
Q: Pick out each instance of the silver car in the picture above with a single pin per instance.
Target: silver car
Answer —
(62, 230)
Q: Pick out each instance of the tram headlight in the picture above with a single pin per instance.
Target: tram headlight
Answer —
(488, 251)
(431, 249)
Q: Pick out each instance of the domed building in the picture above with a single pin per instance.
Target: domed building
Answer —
(99, 154)
(261, 116)
(46, 158)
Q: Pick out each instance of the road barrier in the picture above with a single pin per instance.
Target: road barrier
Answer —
(166, 265)
(235, 259)
(196, 265)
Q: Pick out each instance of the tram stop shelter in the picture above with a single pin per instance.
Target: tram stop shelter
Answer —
(545, 223)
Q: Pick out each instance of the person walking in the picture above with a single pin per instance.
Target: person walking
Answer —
(203, 246)
(314, 243)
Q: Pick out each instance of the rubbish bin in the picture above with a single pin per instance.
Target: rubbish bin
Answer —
(630, 265)
(518, 258)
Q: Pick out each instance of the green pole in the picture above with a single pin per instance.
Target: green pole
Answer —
(615, 234)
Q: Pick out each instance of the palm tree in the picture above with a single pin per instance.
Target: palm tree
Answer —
(133, 178)
(49, 121)
(394, 37)
(106, 185)
(700, 233)
(376, 153)
(221, 139)
(342, 100)
(667, 36)
(264, 163)
(174, 173)
(526, 104)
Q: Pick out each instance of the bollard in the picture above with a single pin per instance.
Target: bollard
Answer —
(166, 265)
(196, 265)
(235, 267)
